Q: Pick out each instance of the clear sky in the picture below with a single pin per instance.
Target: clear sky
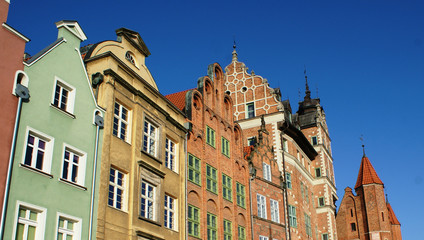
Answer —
(364, 59)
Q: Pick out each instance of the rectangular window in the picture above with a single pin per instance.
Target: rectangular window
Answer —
(193, 169)
(317, 172)
(275, 212)
(121, 122)
(325, 236)
(116, 197)
(212, 229)
(170, 155)
(210, 136)
(263, 238)
(169, 214)
(314, 140)
(68, 228)
(251, 141)
(150, 138)
(211, 179)
(38, 151)
(225, 147)
(73, 168)
(267, 171)
(306, 194)
(29, 223)
(288, 180)
(147, 200)
(308, 225)
(302, 190)
(241, 233)
(241, 195)
(285, 145)
(250, 108)
(261, 201)
(292, 216)
(227, 187)
(64, 96)
(228, 232)
(193, 221)
(353, 227)
(321, 202)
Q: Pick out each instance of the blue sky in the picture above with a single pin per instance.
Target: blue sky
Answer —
(364, 59)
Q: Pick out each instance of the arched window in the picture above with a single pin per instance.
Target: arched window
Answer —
(130, 57)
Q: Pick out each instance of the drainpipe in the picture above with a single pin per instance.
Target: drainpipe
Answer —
(288, 234)
(188, 126)
(22, 93)
(99, 123)
(252, 174)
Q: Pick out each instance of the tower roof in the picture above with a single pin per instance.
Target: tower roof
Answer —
(392, 217)
(367, 174)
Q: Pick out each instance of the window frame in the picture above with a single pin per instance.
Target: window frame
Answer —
(266, 171)
(227, 187)
(210, 136)
(319, 202)
(170, 214)
(211, 181)
(285, 145)
(211, 228)
(77, 226)
(250, 113)
(116, 186)
(225, 146)
(318, 170)
(48, 151)
(275, 210)
(308, 227)
(241, 232)
(81, 171)
(70, 98)
(241, 195)
(263, 237)
(171, 154)
(314, 140)
(40, 222)
(150, 138)
(147, 198)
(289, 184)
(127, 136)
(324, 236)
(197, 174)
(193, 220)
(261, 205)
(292, 216)
(228, 229)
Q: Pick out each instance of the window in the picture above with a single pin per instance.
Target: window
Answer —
(225, 147)
(211, 222)
(321, 202)
(267, 171)
(147, 200)
(351, 212)
(150, 138)
(275, 212)
(306, 194)
(382, 216)
(64, 96)
(130, 57)
(210, 136)
(227, 187)
(68, 228)
(353, 227)
(250, 108)
(193, 221)
(116, 189)
(169, 213)
(288, 180)
(285, 145)
(241, 195)
(302, 190)
(170, 156)
(241, 233)
(261, 205)
(317, 172)
(251, 141)
(30, 223)
(121, 122)
(292, 216)
(312, 197)
(308, 225)
(211, 179)
(228, 233)
(193, 169)
(314, 140)
(263, 238)
(325, 236)
(73, 169)
(38, 151)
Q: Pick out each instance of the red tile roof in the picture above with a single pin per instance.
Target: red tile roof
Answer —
(178, 99)
(392, 217)
(367, 174)
(247, 151)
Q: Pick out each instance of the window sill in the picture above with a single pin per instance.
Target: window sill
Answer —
(125, 141)
(63, 111)
(151, 156)
(36, 170)
(73, 184)
(150, 221)
(120, 210)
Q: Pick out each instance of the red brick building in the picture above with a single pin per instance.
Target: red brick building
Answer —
(218, 176)
(367, 216)
(12, 47)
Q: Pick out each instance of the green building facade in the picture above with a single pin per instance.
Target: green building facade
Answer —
(55, 162)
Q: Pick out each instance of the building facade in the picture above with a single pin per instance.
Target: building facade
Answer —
(52, 193)
(12, 47)
(142, 183)
(218, 176)
(301, 148)
(367, 215)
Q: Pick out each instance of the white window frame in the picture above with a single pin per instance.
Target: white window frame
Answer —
(285, 145)
(267, 171)
(149, 211)
(171, 155)
(261, 203)
(80, 179)
(48, 151)
(152, 137)
(275, 212)
(117, 186)
(170, 209)
(121, 122)
(263, 238)
(247, 110)
(76, 233)
(70, 103)
(251, 141)
(39, 224)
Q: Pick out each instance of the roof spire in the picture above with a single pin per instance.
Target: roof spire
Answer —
(234, 51)
(367, 174)
(363, 146)
(307, 91)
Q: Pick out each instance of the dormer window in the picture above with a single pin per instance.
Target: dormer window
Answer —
(130, 57)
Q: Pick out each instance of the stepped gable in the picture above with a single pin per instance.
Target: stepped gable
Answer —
(178, 99)
(367, 174)
(392, 217)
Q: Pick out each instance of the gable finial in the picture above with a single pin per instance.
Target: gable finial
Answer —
(363, 146)
(307, 91)
(234, 50)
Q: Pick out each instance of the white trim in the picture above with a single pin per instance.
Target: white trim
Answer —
(81, 164)
(77, 225)
(41, 218)
(25, 80)
(44, 54)
(70, 103)
(14, 31)
(47, 163)
(67, 24)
